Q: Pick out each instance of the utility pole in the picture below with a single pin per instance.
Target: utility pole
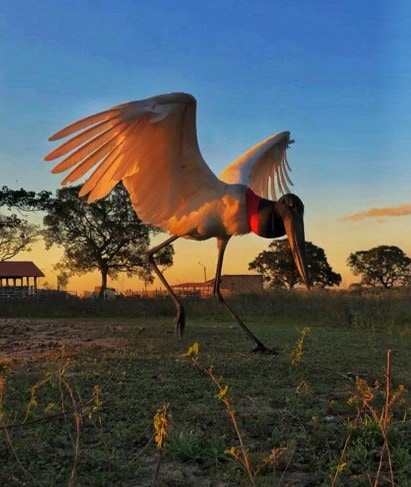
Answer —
(205, 271)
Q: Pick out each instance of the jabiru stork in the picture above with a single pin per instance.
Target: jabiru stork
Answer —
(151, 146)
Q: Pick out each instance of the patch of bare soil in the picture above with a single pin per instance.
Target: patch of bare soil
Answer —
(26, 338)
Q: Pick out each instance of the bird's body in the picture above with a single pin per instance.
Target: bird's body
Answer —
(151, 146)
(222, 214)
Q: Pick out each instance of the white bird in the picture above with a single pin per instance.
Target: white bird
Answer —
(151, 146)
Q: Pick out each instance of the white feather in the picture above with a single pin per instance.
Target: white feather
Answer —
(151, 146)
(263, 167)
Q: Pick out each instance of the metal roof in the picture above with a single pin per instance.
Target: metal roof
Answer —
(11, 268)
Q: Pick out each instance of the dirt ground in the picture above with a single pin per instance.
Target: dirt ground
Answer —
(22, 338)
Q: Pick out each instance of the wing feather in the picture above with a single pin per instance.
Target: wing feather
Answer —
(79, 139)
(85, 122)
(84, 165)
(93, 182)
(151, 145)
(88, 148)
(264, 167)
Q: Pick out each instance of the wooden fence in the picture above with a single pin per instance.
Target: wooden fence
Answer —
(30, 292)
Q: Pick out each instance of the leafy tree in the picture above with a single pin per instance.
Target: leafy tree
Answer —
(320, 270)
(16, 233)
(385, 266)
(276, 265)
(106, 235)
(278, 268)
(23, 201)
(16, 237)
(63, 278)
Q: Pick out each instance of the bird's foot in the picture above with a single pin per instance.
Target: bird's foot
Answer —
(179, 323)
(260, 348)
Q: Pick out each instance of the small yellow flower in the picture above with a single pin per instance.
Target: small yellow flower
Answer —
(223, 392)
(193, 351)
(233, 452)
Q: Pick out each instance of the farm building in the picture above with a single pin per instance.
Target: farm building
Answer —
(242, 283)
(18, 279)
(230, 284)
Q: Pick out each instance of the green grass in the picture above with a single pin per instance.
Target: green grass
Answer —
(308, 417)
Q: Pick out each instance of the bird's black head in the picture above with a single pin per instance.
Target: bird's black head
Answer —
(289, 204)
(290, 209)
(273, 219)
(267, 217)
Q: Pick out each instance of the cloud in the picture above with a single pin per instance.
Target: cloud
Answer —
(401, 210)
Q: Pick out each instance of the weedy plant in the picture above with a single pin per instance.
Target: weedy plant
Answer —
(297, 353)
(188, 446)
(240, 453)
(67, 403)
(372, 431)
(161, 425)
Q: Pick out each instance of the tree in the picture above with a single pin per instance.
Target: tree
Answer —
(106, 235)
(277, 266)
(385, 266)
(16, 233)
(16, 237)
(23, 201)
(63, 278)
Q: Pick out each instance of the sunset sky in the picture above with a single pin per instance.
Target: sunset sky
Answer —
(336, 74)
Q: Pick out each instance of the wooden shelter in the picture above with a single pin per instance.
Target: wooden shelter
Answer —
(18, 278)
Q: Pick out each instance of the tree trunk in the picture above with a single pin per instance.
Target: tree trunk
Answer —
(103, 283)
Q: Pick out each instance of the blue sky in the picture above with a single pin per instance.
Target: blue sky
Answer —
(336, 74)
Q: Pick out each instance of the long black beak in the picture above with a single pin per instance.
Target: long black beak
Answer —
(294, 226)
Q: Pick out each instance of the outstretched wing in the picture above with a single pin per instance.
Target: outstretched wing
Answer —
(151, 145)
(264, 167)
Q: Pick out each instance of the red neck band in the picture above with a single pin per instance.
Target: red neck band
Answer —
(252, 201)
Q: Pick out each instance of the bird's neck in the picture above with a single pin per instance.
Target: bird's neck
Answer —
(262, 217)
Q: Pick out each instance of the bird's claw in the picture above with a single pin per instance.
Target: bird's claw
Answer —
(260, 348)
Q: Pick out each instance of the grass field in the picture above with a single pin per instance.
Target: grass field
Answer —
(81, 381)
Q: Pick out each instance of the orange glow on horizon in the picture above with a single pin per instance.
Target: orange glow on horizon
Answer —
(193, 261)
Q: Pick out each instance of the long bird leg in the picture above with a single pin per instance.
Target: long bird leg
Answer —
(260, 347)
(179, 322)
